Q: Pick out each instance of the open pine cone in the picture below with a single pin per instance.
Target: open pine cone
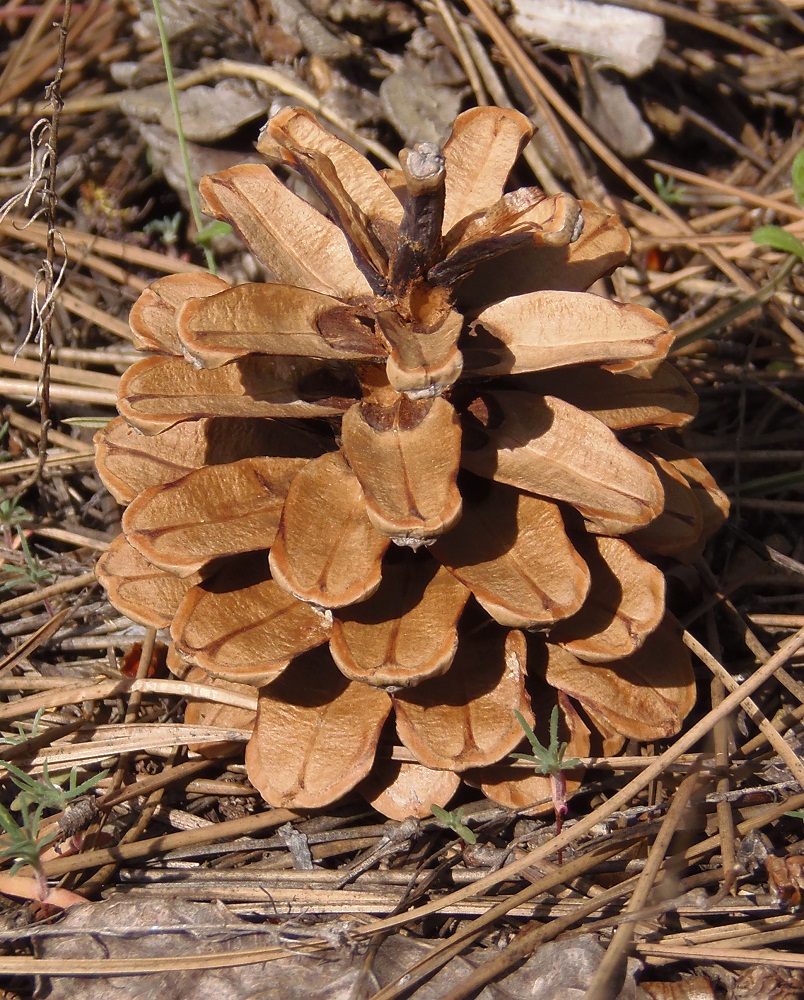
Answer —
(421, 473)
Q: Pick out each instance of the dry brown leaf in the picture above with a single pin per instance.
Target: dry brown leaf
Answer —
(144, 593)
(621, 402)
(158, 393)
(624, 605)
(484, 145)
(315, 735)
(406, 458)
(293, 240)
(406, 631)
(242, 626)
(767, 982)
(511, 550)
(215, 511)
(553, 329)
(416, 98)
(548, 447)
(272, 319)
(398, 789)
(645, 696)
(153, 315)
(465, 718)
(326, 550)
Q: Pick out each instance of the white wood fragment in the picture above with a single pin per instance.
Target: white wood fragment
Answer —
(627, 40)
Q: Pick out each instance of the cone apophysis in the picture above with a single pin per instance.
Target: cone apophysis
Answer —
(415, 482)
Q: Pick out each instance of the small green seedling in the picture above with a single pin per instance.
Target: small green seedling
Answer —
(23, 737)
(454, 820)
(12, 515)
(775, 236)
(550, 761)
(33, 572)
(212, 231)
(47, 792)
(21, 842)
(668, 189)
(167, 229)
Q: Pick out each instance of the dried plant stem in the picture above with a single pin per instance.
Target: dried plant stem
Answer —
(96, 743)
(722, 737)
(54, 590)
(61, 373)
(149, 783)
(607, 975)
(104, 356)
(705, 954)
(40, 636)
(93, 968)
(70, 302)
(785, 751)
(476, 928)
(18, 228)
(54, 437)
(20, 389)
(462, 49)
(55, 459)
(226, 830)
(744, 195)
(110, 689)
(760, 819)
(100, 878)
(44, 311)
(72, 537)
(712, 25)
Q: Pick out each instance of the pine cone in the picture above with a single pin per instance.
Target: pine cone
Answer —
(420, 470)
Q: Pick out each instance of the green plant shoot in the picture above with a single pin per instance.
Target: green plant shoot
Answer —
(454, 820)
(551, 761)
(20, 841)
(775, 236)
